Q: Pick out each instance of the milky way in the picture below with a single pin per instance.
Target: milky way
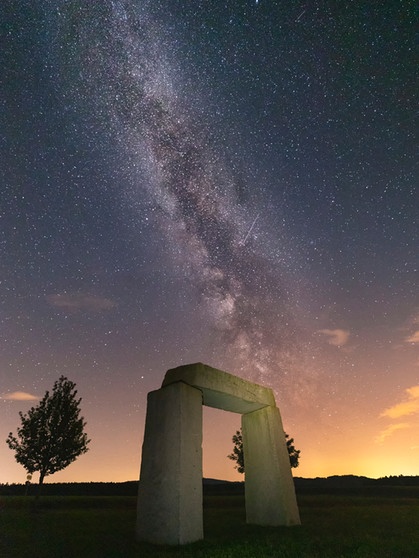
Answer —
(124, 67)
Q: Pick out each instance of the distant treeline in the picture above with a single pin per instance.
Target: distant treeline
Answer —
(355, 481)
(128, 488)
(393, 486)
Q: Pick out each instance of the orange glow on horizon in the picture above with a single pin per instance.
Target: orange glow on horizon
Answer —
(345, 456)
(349, 440)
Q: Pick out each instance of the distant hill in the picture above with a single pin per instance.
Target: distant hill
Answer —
(393, 486)
(353, 481)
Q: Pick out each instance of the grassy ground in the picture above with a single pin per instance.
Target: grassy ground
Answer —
(103, 527)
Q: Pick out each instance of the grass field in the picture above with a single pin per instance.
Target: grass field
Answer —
(103, 527)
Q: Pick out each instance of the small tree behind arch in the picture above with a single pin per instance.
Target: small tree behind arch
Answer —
(238, 454)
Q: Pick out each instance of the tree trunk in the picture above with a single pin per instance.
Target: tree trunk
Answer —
(40, 484)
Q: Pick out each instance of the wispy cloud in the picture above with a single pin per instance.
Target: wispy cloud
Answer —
(80, 301)
(390, 430)
(414, 319)
(407, 407)
(414, 338)
(19, 396)
(411, 326)
(336, 337)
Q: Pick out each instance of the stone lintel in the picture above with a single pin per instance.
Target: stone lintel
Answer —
(220, 389)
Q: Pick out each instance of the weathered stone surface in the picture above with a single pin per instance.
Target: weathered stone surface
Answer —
(170, 493)
(269, 487)
(220, 389)
(169, 509)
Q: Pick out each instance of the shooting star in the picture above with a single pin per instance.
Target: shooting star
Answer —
(250, 230)
(301, 15)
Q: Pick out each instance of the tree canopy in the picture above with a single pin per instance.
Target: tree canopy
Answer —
(51, 435)
(238, 455)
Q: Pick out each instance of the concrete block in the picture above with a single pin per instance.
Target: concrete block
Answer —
(269, 486)
(220, 389)
(170, 493)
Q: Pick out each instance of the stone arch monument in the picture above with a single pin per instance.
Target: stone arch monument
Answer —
(169, 507)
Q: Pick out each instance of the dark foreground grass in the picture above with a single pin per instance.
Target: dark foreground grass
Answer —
(103, 527)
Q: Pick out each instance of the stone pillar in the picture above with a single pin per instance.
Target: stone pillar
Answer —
(170, 493)
(269, 487)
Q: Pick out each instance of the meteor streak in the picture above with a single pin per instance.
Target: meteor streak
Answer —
(250, 230)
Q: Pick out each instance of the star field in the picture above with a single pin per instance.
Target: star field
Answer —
(232, 183)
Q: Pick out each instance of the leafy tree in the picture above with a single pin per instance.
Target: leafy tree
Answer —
(238, 455)
(51, 435)
(294, 454)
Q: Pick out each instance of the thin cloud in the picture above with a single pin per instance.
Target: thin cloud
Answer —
(391, 430)
(80, 301)
(414, 338)
(336, 337)
(19, 396)
(410, 328)
(408, 407)
(414, 319)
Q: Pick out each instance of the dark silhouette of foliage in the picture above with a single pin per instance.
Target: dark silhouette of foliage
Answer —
(238, 455)
(294, 454)
(51, 435)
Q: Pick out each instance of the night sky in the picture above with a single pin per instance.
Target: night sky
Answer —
(230, 182)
